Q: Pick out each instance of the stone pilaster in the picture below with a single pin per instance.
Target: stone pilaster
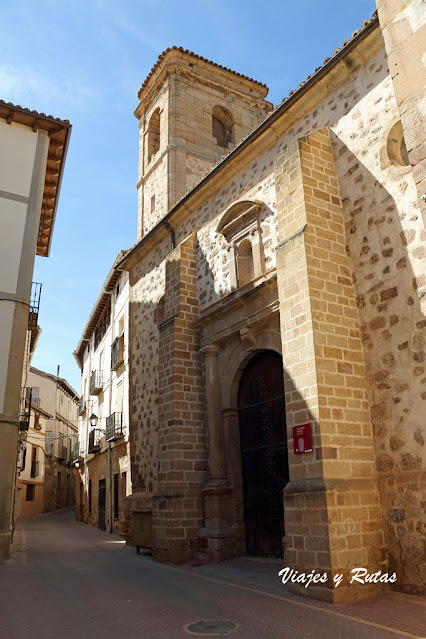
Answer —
(217, 461)
(331, 504)
(177, 505)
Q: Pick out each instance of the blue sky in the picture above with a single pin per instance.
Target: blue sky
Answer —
(84, 61)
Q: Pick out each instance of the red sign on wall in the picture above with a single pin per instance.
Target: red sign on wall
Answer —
(302, 438)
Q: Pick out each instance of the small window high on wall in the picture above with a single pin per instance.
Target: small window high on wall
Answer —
(222, 126)
(154, 134)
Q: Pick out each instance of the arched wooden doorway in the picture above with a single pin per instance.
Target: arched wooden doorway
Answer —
(264, 457)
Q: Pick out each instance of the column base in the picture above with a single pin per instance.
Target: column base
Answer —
(332, 527)
(176, 518)
(217, 485)
(216, 539)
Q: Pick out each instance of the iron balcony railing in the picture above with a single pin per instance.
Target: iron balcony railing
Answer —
(62, 452)
(94, 441)
(34, 305)
(117, 350)
(114, 426)
(78, 451)
(49, 444)
(35, 468)
(81, 405)
(96, 382)
(25, 407)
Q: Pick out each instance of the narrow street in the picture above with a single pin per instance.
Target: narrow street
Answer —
(69, 580)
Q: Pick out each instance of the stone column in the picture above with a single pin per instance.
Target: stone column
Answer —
(232, 445)
(231, 427)
(217, 460)
(216, 537)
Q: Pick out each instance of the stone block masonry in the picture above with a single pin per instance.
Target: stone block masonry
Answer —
(332, 507)
(342, 298)
(185, 94)
(177, 505)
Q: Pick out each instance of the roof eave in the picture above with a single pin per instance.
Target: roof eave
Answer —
(16, 114)
(58, 189)
(106, 290)
(180, 52)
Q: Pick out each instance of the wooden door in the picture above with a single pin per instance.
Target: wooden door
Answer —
(264, 457)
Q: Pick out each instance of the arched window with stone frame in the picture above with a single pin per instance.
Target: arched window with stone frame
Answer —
(241, 228)
(222, 126)
(154, 134)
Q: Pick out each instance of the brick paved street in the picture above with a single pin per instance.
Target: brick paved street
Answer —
(69, 580)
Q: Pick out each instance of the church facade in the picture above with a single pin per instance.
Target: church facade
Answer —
(277, 315)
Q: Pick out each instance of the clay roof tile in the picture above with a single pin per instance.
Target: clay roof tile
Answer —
(198, 57)
(33, 112)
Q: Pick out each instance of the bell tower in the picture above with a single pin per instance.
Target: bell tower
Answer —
(191, 113)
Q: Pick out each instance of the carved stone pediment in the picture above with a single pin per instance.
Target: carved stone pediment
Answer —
(240, 226)
(240, 218)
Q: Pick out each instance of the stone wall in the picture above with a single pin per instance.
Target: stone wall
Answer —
(331, 504)
(384, 238)
(214, 252)
(403, 25)
(193, 98)
(30, 508)
(385, 242)
(152, 175)
(177, 508)
(379, 295)
(147, 282)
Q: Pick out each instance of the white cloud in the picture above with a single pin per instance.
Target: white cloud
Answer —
(34, 89)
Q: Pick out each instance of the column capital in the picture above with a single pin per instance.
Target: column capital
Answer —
(210, 350)
(230, 412)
